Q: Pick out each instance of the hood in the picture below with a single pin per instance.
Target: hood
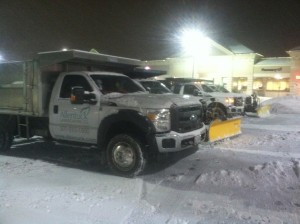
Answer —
(149, 101)
(223, 95)
(240, 95)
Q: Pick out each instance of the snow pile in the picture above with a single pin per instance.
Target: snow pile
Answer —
(284, 105)
(274, 174)
(264, 141)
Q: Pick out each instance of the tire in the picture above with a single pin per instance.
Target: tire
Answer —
(6, 138)
(215, 112)
(125, 155)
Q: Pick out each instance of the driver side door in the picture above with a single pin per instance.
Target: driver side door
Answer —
(73, 122)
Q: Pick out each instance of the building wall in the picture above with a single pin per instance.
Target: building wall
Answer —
(295, 72)
(221, 69)
(237, 72)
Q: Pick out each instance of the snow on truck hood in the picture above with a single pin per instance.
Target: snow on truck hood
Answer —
(222, 95)
(151, 101)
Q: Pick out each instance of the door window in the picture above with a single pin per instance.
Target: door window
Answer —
(71, 81)
(189, 89)
(176, 89)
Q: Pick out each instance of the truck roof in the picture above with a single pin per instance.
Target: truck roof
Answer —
(95, 73)
(53, 57)
(133, 68)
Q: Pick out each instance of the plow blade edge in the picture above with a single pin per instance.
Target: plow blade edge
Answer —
(219, 129)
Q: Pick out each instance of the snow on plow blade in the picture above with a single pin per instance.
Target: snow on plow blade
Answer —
(219, 129)
(263, 111)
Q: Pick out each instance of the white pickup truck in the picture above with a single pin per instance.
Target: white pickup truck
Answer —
(45, 97)
(218, 104)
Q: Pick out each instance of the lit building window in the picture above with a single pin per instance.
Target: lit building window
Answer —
(239, 84)
(278, 85)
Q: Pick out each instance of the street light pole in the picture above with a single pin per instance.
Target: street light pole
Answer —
(193, 69)
(278, 77)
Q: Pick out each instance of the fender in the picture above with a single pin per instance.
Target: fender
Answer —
(138, 120)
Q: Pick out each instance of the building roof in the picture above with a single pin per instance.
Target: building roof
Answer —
(295, 49)
(232, 45)
(283, 61)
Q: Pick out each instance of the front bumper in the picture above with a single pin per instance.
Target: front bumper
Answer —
(173, 141)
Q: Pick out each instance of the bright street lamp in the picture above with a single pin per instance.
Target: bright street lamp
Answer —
(195, 44)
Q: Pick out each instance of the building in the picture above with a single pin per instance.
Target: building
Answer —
(238, 68)
(295, 71)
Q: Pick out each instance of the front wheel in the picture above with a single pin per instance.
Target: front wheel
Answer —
(6, 138)
(126, 155)
(214, 112)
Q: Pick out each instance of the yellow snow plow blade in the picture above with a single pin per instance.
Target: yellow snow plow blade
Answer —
(219, 129)
(263, 111)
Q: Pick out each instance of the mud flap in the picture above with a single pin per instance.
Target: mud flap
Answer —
(219, 129)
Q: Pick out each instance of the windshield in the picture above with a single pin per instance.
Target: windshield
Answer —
(214, 88)
(207, 89)
(218, 88)
(222, 89)
(116, 84)
(155, 87)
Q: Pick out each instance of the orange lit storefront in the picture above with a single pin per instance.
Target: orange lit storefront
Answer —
(295, 71)
(271, 77)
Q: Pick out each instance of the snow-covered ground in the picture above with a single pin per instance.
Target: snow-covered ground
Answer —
(252, 178)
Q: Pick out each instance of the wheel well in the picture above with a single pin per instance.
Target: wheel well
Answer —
(220, 105)
(122, 127)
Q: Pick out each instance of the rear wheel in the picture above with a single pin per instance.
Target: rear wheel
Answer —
(125, 155)
(6, 138)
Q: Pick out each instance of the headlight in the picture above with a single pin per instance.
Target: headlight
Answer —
(160, 119)
(229, 101)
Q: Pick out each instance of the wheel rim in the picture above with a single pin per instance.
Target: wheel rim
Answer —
(123, 156)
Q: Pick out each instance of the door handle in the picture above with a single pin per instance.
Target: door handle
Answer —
(55, 109)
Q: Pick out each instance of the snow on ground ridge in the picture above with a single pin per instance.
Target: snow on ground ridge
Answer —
(269, 174)
(284, 105)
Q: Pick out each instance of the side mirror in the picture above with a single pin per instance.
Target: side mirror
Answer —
(77, 95)
(197, 93)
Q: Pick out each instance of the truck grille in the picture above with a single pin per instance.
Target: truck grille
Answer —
(238, 101)
(187, 118)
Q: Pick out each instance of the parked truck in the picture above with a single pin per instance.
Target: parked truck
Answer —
(218, 104)
(81, 97)
(223, 110)
(215, 117)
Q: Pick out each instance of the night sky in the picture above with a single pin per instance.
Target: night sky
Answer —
(144, 29)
